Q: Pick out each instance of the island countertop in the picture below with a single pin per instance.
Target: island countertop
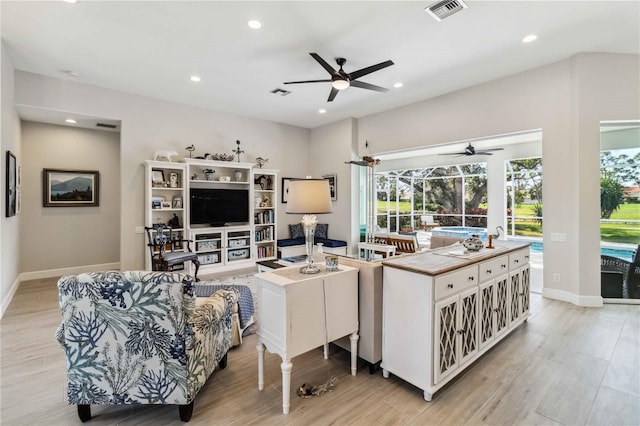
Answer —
(446, 259)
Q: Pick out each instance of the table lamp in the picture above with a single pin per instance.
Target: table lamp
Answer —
(309, 197)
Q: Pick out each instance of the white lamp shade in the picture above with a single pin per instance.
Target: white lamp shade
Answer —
(309, 196)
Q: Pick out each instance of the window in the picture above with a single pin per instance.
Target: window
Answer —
(454, 195)
(524, 197)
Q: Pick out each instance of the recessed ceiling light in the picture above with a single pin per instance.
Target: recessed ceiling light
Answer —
(322, 111)
(70, 1)
(529, 38)
(254, 24)
(194, 78)
(70, 121)
(71, 73)
(398, 84)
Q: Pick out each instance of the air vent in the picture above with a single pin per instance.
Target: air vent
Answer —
(281, 92)
(444, 9)
(108, 126)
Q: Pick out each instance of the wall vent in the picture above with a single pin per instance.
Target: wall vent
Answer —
(444, 9)
(108, 126)
(281, 92)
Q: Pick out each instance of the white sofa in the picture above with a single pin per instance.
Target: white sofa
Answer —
(370, 304)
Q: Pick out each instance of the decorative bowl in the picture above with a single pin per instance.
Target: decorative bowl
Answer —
(473, 243)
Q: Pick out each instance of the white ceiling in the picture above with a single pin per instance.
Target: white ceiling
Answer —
(151, 48)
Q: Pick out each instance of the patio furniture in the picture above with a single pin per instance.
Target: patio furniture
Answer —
(611, 285)
(630, 271)
(427, 222)
(633, 276)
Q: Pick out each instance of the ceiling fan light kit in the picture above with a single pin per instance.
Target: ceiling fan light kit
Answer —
(340, 84)
(341, 79)
(470, 150)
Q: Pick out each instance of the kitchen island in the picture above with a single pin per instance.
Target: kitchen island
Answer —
(444, 308)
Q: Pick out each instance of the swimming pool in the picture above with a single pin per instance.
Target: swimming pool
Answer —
(626, 254)
(460, 232)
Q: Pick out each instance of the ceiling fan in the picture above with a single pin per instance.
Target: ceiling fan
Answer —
(470, 150)
(341, 79)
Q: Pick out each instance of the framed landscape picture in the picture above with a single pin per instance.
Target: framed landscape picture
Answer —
(70, 188)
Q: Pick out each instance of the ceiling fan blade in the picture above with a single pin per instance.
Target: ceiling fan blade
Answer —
(493, 149)
(368, 70)
(332, 94)
(454, 153)
(324, 63)
(307, 81)
(363, 85)
(483, 153)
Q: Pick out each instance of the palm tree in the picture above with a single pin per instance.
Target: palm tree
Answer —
(610, 197)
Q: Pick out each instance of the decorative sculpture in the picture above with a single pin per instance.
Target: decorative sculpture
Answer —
(261, 161)
(164, 154)
(238, 151)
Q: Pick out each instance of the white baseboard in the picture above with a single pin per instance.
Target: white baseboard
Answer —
(7, 300)
(37, 275)
(565, 296)
(73, 270)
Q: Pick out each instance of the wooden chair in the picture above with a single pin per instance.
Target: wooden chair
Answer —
(404, 243)
(168, 250)
(428, 222)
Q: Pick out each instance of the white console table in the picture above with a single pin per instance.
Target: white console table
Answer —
(301, 312)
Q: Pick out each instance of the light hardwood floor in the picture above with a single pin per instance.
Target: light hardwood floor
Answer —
(566, 365)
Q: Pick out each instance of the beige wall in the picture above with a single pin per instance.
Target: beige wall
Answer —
(566, 100)
(66, 237)
(330, 149)
(151, 124)
(9, 226)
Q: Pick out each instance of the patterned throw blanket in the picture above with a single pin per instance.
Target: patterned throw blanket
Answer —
(245, 298)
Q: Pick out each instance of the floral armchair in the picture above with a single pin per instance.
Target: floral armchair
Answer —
(138, 338)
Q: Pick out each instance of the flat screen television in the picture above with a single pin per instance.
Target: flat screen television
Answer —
(218, 207)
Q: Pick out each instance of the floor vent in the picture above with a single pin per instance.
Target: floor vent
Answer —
(108, 126)
(444, 9)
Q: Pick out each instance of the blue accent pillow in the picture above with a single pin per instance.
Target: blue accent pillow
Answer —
(296, 230)
(322, 230)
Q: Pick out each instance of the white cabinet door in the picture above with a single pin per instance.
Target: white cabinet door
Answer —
(493, 316)
(468, 324)
(525, 290)
(456, 332)
(501, 305)
(445, 359)
(488, 317)
(515, 310)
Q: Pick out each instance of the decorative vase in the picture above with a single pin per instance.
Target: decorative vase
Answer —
(473, 243)
(238, 175)
(208, 175)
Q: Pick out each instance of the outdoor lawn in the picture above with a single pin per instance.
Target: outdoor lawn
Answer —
(610, 232)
